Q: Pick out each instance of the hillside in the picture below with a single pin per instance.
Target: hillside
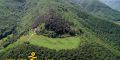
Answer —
(112, 3)
(99, 9)
(59, 30)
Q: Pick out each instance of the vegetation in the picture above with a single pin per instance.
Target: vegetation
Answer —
(99, 9)
(84, 52)
(105, 30)
(30, 25)
(57, 25)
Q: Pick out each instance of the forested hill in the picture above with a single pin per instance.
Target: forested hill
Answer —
(59, 30)
(99, 8)
(115, 4)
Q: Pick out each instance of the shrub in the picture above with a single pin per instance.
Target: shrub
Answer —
(58, 25)
(6, 44)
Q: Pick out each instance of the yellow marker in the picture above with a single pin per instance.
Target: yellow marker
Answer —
(32, 57)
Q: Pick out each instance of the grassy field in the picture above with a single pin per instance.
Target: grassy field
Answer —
(52, 43)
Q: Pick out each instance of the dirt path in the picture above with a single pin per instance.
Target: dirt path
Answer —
(32, 34)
